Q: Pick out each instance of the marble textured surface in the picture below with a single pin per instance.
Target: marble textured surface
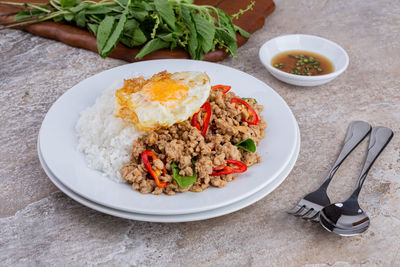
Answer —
(41, 226)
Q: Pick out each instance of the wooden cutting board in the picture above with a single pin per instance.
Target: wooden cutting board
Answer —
(78, 37)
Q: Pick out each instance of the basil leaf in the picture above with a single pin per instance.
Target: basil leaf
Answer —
(58, 18)
(223, 35)
(138, 37)
(79, 7)
(104, 31)
(110, 42)
(173, 44)
(93, 27)
(130, 26)
(133, 35)
(144, 5)
(183, 181)
(69, 16)
(199, 51)
(169, 37)
(114, 37)
(189, 23)
(247, 144)
(80, 19)
(151, 46)
(138, 13)
(26, 14)
(248, 98)
(206, 30)
(125, 40)
(123, 2)
(166, 12)
(68, 3)
(242, 32)
(98, 10)
(229, 29)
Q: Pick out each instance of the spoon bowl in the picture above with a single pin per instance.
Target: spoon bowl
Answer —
(344, 218)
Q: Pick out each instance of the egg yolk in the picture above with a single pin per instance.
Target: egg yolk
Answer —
(165, 90)
(137, 92)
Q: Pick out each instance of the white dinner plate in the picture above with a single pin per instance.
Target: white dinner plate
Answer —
(58, 142)
(180, 217)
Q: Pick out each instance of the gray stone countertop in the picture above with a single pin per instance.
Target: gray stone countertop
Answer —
(39, 225)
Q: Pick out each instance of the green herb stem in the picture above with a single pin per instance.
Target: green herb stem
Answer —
(36, 20)
(18, 4)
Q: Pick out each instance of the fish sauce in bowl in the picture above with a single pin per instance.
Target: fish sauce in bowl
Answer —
(302, 63)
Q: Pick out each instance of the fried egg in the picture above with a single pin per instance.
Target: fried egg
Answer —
(162, 100)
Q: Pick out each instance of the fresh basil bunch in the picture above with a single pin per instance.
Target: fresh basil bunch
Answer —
(155, 24)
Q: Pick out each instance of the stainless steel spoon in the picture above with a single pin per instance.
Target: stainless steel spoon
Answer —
(310, 205)
(347, 218)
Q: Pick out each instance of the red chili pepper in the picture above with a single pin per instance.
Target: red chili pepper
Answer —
(252, 113)
(224, 88)
(155, 174)
(222, 170)
(206, 107)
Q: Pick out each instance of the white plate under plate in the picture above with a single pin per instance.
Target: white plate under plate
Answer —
(180, 217)
(58, 142)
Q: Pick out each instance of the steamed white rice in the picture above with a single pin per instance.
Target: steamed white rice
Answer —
(104, 139)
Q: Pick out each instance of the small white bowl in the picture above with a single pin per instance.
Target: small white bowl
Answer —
(311, 43)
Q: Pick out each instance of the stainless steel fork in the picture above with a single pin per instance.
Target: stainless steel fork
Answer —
(310, 205)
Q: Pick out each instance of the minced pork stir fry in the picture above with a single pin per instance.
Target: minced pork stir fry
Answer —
(211, 148)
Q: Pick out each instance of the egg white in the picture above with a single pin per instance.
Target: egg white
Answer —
(154, 114)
